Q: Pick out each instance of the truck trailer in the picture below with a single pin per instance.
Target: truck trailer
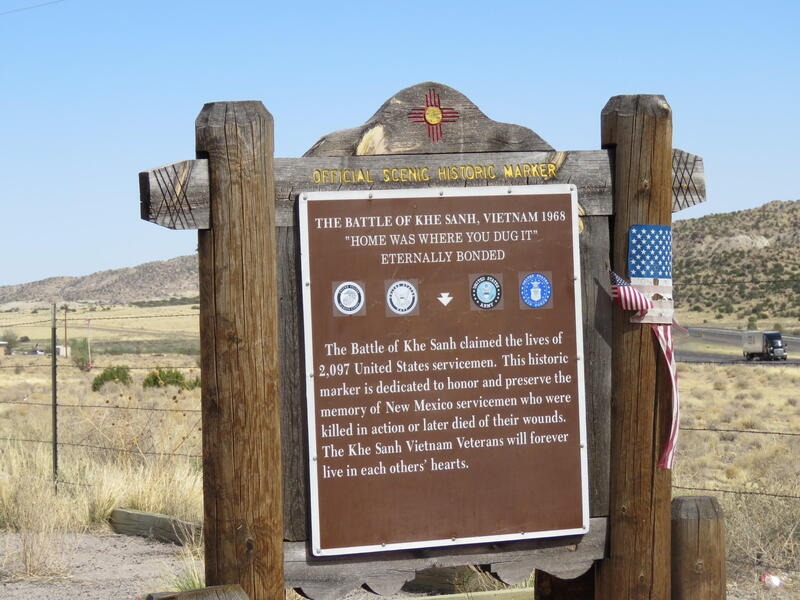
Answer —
(763, 345)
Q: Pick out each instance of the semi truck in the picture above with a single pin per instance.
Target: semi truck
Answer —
(763, 345)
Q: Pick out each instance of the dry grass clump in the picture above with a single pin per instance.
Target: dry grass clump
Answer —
(122, 446)
(31, 509)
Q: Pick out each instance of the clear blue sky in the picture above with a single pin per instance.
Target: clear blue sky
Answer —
(92, 92)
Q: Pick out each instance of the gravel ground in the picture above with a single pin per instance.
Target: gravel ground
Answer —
(99, 566)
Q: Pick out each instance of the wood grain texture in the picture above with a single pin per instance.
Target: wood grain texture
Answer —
(698, 548)
(639, 130)
(176, 195)
(161, 527)
(688, 180)
(332, 579)
(398, 128)
(595, 249)
(243, 512)
(219, 592)
(294, 440)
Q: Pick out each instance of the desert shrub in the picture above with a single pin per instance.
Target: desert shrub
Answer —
(114, 374)
(749, 424)
(163, 377)
(79, 350)
(11, 338)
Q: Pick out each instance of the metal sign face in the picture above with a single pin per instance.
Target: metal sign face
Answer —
(444, 377)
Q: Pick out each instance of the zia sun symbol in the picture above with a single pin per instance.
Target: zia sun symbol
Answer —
(433, 114)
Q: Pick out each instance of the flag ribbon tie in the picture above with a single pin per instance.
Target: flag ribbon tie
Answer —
(629, 298)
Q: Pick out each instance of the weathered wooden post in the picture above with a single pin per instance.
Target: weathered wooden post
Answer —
(243, 524)
(698, 548)
(638, 130)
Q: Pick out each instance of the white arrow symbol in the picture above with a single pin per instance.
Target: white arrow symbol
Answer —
(445, 298)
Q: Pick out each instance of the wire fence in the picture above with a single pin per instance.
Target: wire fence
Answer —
(163, 406)
(197, 411)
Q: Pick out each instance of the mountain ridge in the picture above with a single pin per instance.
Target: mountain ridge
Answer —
(155, 280)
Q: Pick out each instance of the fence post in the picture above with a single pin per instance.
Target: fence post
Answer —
(243, 514)
(54, 394)
(698, 548)
(638, 130)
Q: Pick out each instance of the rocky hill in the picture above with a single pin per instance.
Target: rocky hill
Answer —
(743, 264)
(160, 280)
(727, 266)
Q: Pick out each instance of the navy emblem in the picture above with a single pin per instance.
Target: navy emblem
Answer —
(401, 297)
(486, 292)
(535, 290)
(348, 297)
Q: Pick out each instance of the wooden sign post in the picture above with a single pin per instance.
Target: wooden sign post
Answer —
(256, 457)
(639, 130)
(243, 524)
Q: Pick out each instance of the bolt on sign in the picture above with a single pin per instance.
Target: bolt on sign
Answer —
(443, 356)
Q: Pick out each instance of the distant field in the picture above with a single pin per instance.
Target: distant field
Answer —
(112, 329)
(731, 321)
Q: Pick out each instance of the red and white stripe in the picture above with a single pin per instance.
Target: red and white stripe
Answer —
(663, 334)
(630, 298)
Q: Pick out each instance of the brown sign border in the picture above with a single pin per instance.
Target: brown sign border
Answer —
(433, 193)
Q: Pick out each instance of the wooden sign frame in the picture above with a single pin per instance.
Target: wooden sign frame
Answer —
(242, 200)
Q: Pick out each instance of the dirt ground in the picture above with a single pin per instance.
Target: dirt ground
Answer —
(100, 566)
(108, 566)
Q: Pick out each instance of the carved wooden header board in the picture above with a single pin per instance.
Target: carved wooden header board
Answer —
(398, 148)
(425, 137)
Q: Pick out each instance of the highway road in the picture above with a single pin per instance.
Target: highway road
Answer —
(733, 338)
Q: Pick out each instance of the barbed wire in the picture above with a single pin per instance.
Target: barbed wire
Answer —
(756, 431)
(75, 320)
(677, 282)
(59, 405)
(96, 447)
(738, 492)
(26, 323)
(60, 366)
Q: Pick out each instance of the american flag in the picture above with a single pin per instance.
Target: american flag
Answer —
(663, 334)
(650, 251)
(630, 298)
